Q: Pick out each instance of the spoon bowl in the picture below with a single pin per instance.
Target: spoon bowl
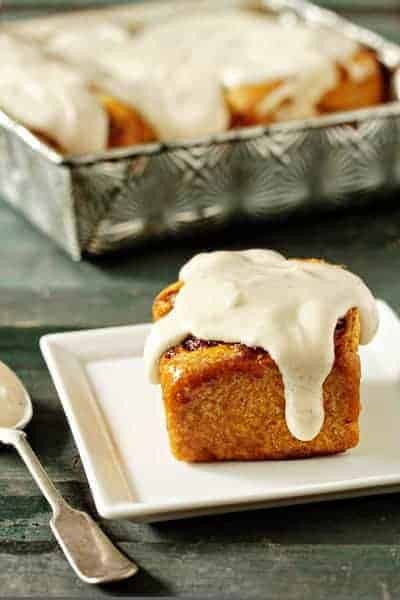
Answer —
(15, 403)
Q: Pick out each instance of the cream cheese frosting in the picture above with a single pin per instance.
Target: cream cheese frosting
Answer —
(51, 98)
(258, 298)
(175, 72)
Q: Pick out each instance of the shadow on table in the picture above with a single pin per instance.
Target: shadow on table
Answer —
(370, 519)
(51, 447)
(142, 583)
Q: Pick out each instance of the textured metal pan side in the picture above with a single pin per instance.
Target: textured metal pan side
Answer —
(38, 187)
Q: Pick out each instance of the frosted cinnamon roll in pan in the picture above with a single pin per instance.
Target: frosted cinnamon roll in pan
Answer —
(199, 73)
(257, 356)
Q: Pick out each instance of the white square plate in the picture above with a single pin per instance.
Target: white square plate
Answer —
(118, 424)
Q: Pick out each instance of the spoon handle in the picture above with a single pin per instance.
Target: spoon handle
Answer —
(46, 486)
(88, 550)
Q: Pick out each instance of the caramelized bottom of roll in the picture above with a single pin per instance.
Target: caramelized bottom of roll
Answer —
(126, 126)
(349, 94)
(48, 141)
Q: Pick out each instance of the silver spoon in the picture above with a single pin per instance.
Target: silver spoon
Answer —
(90, 553)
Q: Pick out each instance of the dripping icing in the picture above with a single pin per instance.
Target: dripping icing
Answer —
(289, 308)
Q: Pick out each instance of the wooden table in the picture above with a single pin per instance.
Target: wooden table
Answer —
(346, 549)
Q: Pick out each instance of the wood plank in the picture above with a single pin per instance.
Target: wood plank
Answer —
(361, 521)
(251, 570)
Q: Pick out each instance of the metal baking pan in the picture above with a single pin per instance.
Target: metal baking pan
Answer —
(100, 203)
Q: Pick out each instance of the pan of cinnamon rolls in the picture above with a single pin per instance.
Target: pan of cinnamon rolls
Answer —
(138, 122)
(85, 85)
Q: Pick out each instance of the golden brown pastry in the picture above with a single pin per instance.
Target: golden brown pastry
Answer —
(350, 93)
(126, 126)
(226, 401)
(257, 356)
